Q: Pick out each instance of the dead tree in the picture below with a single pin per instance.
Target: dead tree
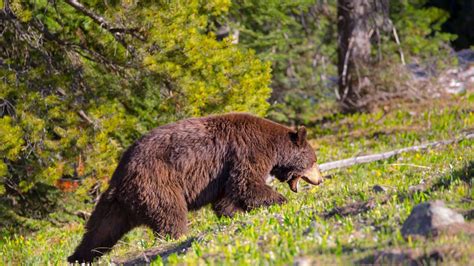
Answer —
(358, 22)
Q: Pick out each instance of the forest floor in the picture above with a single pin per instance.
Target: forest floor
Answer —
(342, 221)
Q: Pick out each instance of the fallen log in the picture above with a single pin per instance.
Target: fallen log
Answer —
(385, 155)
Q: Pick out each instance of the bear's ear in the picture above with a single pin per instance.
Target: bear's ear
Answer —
(299, 136)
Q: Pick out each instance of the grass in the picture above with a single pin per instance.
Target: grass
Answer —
(300, 230)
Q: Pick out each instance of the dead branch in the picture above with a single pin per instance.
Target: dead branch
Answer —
(103, 23)
(346, 62)
(383, 156)
(84, 116)
(397, 40)
(98, 19)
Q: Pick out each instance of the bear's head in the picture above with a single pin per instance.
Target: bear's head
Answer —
(297, 160)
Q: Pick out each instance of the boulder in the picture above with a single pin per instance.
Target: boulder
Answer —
(379, 189)
(430, 218)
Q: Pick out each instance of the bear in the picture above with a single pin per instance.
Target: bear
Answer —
(222, 160)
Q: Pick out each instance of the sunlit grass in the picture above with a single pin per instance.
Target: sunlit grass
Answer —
(280, 234)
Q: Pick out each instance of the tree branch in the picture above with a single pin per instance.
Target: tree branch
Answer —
(397, 40)
(98, 19)
(84, 116)
(78, 48)
(115, 31)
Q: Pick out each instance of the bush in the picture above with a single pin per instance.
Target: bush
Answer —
(75, 93)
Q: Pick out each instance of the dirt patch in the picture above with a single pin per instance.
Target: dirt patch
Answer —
(455, 229)
(414, 257)
(356, 207)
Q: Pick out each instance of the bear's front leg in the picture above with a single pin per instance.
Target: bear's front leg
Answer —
(247, 186)
(165, 213)
(226, 206)
(259, 195)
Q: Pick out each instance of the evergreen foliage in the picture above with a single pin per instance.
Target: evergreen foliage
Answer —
(75, 90)
(299, 38)
(420, 32)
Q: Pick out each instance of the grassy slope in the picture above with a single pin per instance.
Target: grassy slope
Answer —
(281, 234)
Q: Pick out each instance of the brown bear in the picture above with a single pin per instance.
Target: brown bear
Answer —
(221, 160)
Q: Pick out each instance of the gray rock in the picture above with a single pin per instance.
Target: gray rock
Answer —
(302, 261)
(428, 218)
(417, 188)
(396, 257)
(313, 230)
(379, 188)
(465, 57)
(279, 218)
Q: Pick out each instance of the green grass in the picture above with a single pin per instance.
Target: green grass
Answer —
(280, 234)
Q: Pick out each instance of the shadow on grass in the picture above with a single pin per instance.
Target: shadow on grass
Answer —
(152, 254)
(464, 174)
(355, 208)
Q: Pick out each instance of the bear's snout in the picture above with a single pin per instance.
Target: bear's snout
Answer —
(313, 176)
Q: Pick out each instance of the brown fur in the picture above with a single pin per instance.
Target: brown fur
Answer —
(221, 160)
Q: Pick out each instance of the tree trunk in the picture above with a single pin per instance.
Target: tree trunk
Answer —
(358, 20)
(353, 49)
